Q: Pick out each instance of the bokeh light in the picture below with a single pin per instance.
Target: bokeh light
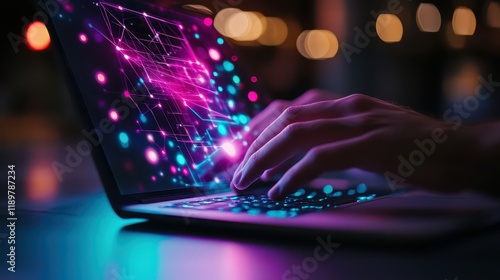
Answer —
(317, 44)
(100, 77)
(428, 18)
(493, 14)
(113, 115)
(214, 54)
(253, 96)
(41, 182)
(83, 38)
(152, 156)
(245, 26)
(389, 28)
(275, 32)
(37, 36)
(222, 17)
(464, 21)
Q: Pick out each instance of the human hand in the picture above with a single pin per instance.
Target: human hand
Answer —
(357, 131)
(224, 166)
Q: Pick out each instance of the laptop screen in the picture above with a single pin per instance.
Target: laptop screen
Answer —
(164, 91)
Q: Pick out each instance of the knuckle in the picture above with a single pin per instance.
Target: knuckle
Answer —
(253, 159)
(315, 155)
(290, 114)
(359, 101)
(293, 130)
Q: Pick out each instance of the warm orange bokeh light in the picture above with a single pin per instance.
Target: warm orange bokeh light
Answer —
(37, 36)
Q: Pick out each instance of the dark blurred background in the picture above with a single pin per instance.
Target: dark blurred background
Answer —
(427, 55)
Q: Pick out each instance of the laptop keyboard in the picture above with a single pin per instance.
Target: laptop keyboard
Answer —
(299, 203)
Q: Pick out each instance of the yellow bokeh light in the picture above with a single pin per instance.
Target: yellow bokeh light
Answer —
(493, 14)
(245, 26)
(222, 17)
(275, 32)
(428, 18)
(317, 44)
(464, 21)
(41, 182)
(389, 28)
(37, 36)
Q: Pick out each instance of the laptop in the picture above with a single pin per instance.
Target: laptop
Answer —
(164, 100)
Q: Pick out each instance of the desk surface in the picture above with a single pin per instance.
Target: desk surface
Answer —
(71, 232)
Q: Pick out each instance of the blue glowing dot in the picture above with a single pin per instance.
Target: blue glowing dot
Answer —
(228, 66)
(328, 189)
(222, 130)
(299, 192)
(243, 119)
(180, 159)
(197, 36)
(236, 79)
(351, 192)
(143, 118)
(235, 119)
(361, 188)
(216, 74)
(141, 80)
(212, 81)
(230, 102)
(60, 15)
(236, 210)
(170, 144)
(220, 41)
(90, 25)
(123, 137)
(277, 213)
(219, 88)
(231, 89)
(337, 194)
(253, 211)
(246, 128)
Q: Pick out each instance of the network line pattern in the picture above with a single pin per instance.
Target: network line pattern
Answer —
(190, 104)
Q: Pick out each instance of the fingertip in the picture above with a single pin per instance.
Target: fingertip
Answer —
(265, 176)
(274, 193)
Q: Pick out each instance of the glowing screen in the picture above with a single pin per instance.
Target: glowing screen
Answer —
(163, 88)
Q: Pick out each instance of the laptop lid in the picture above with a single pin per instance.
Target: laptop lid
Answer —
(161, 91)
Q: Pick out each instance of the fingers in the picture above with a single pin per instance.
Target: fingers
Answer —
(295, 114)
(276, 172)
(264, 119)
(314, 95)
(329, 157)
(295, 139)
